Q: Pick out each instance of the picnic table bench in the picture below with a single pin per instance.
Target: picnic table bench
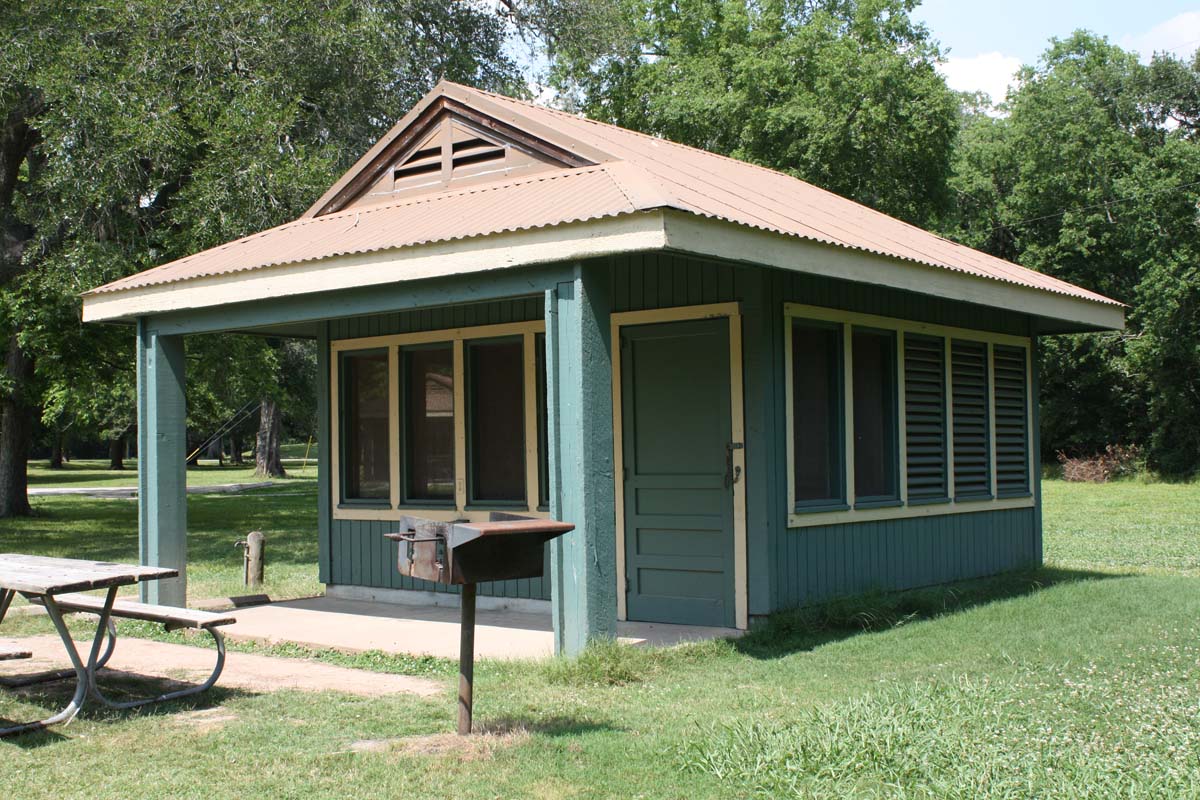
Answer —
(7, 654)
(55, 583)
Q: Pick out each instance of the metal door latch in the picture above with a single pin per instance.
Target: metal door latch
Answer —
(732, 474)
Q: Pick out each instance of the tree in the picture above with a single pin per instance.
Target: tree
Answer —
(1083, 178)
(842, 93)
(136, 133)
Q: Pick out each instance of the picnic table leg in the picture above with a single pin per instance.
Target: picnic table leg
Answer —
(6, 596)
(83, 672)
(162, 698)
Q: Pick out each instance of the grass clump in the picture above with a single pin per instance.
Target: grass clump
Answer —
(613, 663)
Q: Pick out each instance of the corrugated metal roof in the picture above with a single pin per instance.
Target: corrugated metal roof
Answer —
(641, 173)
(569, 195)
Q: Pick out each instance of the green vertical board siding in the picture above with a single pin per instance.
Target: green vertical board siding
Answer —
(925, 418)
(830, 561)
(1012, 421)
(162, 463)
(361, 556)
(521, 309)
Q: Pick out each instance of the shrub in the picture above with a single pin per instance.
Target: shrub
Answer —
(1117, 461)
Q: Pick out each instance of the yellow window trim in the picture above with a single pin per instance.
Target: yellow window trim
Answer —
(456, 337)
(902, 327)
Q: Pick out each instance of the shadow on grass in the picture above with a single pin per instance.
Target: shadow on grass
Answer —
(803, 629)
(558, 725)
(52, 696)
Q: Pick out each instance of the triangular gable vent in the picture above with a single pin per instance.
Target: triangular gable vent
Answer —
(454, 152)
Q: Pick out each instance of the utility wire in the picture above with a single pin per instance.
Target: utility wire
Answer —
(1094, 206)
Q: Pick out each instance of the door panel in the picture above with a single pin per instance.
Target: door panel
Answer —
(678, 507)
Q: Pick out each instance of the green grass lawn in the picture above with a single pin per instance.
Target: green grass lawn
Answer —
(1076, 680)
(95, 472)
(105, 529)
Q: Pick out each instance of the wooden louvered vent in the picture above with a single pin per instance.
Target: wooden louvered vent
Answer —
(1012, 421)
(969, 396)
(925, 418)
(453, 154)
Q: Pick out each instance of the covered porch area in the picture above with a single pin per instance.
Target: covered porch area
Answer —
(558, 317)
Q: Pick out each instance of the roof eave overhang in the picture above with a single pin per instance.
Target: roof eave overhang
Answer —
(658, 229)
(626, 233)
(716, 238)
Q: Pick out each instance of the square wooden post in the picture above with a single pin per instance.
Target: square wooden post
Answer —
(579, 382)
(162, 463)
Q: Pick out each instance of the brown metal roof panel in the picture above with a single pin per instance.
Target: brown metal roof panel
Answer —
(725, 188)
(548, 199)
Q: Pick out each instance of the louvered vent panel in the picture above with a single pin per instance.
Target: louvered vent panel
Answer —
(470, 152)
(969, 396)
(925, 417)
(1012, 421)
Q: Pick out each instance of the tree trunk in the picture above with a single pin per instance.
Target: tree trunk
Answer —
(266, 448)
(116, 453)
(56, 450)
(235, 449)
(16, 430)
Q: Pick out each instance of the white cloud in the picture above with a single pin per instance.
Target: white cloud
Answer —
(1180, 36)
(986, 72)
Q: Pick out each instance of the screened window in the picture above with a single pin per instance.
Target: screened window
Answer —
(817, 413)
(428, 446)
(496, 447)
(365, 440)
(875, 429)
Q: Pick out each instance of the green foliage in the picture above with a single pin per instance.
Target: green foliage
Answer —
(140, 132)
(1082, 178)
(842, 93)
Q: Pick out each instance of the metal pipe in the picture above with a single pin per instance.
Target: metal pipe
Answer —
(466, 659)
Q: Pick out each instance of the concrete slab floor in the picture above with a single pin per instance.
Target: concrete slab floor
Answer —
(355, 626)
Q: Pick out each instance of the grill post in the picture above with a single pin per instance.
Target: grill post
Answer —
(466, 659)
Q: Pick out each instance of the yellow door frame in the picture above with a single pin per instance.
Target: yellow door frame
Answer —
(732, 312)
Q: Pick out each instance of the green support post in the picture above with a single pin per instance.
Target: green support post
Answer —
(579, 380)
(162, 463)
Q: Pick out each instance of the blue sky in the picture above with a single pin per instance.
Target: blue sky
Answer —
(989, 41)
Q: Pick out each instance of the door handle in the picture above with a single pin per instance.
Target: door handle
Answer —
(732, 474)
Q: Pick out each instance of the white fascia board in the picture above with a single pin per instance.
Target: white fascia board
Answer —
(608, 236)
(725, 240)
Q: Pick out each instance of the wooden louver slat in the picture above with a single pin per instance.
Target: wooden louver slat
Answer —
(969, 398)
(1012, 421)
(925, 418)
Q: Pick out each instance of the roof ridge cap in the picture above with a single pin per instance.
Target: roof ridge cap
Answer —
(447, 193)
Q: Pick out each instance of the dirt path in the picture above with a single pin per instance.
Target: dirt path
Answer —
(242, 670)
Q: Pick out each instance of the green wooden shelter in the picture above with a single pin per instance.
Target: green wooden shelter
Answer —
(748, 394)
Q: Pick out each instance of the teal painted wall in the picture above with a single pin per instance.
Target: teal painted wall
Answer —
(787, 567)
(822, 562)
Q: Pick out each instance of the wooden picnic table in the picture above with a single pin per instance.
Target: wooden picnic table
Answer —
(41, 579)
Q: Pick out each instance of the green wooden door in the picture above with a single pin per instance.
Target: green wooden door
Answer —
(678, 498)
